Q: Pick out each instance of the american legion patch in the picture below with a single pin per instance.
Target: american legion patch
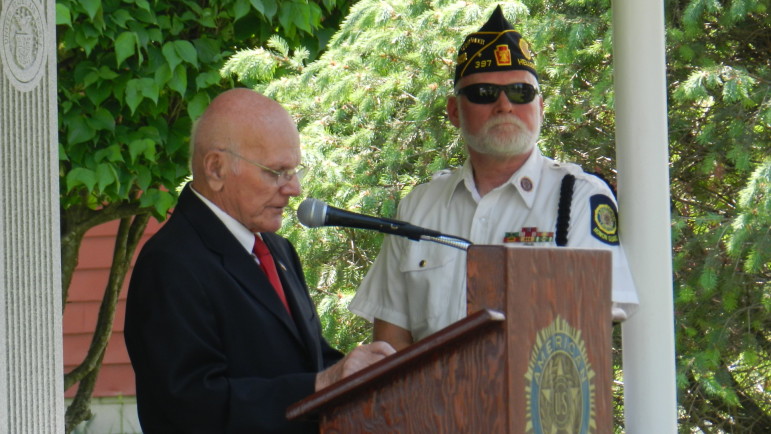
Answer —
(604, 219)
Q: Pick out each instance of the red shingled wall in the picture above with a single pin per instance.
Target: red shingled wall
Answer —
(116, 377)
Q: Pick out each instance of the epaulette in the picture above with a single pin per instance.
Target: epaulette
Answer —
(441, 173)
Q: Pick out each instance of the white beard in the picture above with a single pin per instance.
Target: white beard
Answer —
(507, 141)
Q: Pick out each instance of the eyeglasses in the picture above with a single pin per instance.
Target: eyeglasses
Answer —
(487, 93)
(282, 176)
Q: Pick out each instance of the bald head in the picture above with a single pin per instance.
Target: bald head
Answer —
(233, 117)
(239, 135)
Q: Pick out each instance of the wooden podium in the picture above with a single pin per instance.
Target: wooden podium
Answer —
(532, 356)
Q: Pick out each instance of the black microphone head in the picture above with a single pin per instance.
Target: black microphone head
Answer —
(312, 212)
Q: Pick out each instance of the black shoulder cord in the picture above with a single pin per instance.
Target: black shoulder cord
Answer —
(563, 209)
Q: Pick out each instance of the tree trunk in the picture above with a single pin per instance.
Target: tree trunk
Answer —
(129, 234)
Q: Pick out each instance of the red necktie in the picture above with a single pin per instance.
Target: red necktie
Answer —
(269, 267)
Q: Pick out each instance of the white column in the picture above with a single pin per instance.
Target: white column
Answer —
(643, 170)
(31, 379)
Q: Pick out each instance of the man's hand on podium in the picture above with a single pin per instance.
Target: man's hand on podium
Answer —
(361, 357)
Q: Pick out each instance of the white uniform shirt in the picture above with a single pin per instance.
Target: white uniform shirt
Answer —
(421, 285)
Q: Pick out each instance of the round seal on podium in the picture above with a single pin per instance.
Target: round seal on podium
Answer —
(559, 389)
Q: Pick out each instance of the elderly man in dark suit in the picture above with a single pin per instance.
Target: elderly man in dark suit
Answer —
(220, 328)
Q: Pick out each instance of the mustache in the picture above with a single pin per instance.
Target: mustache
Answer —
(505, 119)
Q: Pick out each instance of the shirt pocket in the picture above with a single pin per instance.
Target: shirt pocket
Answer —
(433, 277)
(424, 257)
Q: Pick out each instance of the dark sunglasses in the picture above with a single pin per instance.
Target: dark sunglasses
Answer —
(487, 93)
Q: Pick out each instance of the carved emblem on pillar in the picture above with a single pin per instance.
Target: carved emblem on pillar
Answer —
(22, 50)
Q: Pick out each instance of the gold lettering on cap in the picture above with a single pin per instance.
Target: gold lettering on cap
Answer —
(523, 62)
(472, 40)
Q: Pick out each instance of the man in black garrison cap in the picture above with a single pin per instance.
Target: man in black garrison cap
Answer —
(506, 192)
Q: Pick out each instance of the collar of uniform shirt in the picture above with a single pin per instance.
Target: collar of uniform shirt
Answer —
(530, 170)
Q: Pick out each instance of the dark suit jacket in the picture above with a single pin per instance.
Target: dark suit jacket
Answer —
(213, 349)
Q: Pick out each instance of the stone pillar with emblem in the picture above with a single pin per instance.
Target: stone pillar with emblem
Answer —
(31, 395)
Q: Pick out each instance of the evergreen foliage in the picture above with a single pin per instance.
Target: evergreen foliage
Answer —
(371, 113)
(720, 138)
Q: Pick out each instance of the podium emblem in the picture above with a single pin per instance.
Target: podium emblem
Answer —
(560, 393)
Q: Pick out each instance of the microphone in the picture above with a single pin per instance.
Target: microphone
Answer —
(314, 213)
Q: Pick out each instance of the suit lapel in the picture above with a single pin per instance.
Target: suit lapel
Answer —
(303, 309)
(256, 283)
(236, 261)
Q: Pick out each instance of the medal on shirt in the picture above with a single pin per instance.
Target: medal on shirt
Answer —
(528, 236)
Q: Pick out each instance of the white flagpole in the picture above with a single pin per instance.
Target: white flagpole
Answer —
(643, 183)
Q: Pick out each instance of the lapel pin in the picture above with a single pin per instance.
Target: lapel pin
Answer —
(526, 184)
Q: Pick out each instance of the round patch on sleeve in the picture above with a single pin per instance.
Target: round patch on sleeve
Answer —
(604, 219)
